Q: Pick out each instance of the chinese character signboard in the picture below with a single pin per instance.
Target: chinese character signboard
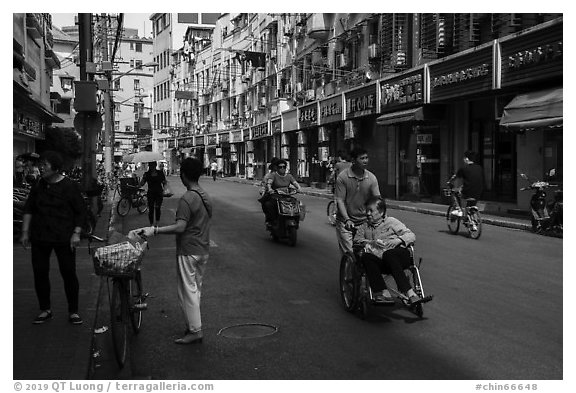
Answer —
(308, 115)
(331, 110)
(361, 102)
(402, 92)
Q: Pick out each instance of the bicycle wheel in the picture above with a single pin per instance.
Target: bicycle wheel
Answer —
(452, 220)
(474, 224)
(123, 207)
(137, 303)
(331, 212)
(348, 286)
(142, 204)
(119, 320)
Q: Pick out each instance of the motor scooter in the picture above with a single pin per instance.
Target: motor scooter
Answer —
(546, 217)
(289, 212)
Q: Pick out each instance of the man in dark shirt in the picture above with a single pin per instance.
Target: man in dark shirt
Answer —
(471, 177)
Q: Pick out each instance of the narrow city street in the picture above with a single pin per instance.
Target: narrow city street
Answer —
(496, 313)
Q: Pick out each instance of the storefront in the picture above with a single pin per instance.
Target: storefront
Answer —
(261, 140)
(288, 141)
(199, 148)
(223, 153)
(330, 132)
(361, 108)
(249, 148)
(531, 104)
(465, 84)
(237, 154)
(413, 137)
(308, 162)
(210, 150)
(276, 128)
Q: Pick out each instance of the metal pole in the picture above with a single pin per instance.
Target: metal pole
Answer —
(88, 140)
(108, 107)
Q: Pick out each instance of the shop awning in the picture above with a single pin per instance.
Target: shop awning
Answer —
(414, 114)
(540, 109)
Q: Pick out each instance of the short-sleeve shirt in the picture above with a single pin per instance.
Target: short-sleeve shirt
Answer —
(340, 166)
(56, 208)
(155, 180)
(195, 240)
(279, 181)
(355, 191)
(472, 180)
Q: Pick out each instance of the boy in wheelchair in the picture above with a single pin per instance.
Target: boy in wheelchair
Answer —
(383, 243)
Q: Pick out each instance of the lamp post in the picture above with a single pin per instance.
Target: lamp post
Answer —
(109, 114)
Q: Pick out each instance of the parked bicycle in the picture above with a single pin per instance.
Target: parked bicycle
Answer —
(120, 263)
(132, 196)
(469, 216)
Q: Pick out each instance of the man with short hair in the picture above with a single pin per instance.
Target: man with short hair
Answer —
(471, 178)
(354, 186)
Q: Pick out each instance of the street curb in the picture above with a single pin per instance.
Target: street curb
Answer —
(399, 206)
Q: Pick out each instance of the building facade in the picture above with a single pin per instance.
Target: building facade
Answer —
(34, 61)
(416, 89)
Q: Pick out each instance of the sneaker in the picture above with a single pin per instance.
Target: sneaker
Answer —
(383, 297)
(413, 298)
(42, 317)
(457, 213)
(190, 338)
(75, 319)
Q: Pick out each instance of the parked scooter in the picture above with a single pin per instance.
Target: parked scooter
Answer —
(546, 217)
(290, 211)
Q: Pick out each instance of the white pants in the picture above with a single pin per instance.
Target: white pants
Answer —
(190, 269)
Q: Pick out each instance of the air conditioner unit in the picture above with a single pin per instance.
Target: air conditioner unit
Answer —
(372, 51)
(310, 95)
(246, 78)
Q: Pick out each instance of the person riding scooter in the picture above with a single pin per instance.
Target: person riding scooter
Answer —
(279, 180)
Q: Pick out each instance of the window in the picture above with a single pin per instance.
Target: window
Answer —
(117, 84)
(131, 63)
(138, 47)
(137, 85)
(136, 115)
(131, 46)
(135, 107)
(63, 106)
(116, 126)
(66, 83)
(138, 64)
(128, 129)
(117, 108)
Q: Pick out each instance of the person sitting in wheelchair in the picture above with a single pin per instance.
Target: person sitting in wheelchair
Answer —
(386, 241)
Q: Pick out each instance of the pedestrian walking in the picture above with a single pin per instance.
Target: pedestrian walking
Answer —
(354, 186)
(192, 229)
(53, 218)
(214, 170)
(156, 182)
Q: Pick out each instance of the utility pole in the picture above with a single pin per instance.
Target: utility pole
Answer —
(88, 139)
(108, 101)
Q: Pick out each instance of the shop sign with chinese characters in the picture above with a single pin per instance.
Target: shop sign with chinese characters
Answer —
(308, 115)
(331, 110)
(361, 102)
(29, 125)
(405, 91)
(260, 131)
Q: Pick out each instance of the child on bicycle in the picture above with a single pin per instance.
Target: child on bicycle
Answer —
(386, 241)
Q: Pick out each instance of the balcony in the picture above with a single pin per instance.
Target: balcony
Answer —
(33, 25)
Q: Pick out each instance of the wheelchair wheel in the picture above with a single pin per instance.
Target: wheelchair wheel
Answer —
(123, 206)
(348, 282)
(452, 220)
(474, 224)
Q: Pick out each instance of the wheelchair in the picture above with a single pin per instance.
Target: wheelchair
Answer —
(356, 294)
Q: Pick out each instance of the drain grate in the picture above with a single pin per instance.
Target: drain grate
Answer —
(248, 330)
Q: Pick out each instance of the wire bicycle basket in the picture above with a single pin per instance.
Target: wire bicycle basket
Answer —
(119, 260)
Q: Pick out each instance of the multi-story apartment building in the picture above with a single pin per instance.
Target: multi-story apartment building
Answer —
(169, 116)
(417, 89)
(34, 60)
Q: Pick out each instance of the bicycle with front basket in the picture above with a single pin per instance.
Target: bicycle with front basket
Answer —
(120, 263)
(132, 196)
(469, 216)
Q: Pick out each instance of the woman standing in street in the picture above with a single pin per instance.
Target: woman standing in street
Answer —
(156, 182)
(53, 218)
